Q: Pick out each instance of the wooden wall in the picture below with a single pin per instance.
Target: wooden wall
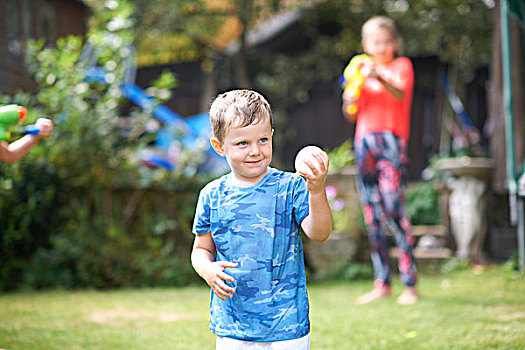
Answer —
(21, 20)
(496, 115)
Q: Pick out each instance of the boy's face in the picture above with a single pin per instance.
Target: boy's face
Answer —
(380, 44)
(248, 150)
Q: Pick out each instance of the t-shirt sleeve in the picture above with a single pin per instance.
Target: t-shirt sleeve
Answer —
(300, 200)
(201, 222)
(404, 78)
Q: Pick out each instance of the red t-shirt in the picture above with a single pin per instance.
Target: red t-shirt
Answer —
(378, 110)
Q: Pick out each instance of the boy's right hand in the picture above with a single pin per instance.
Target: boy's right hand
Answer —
(215, 277)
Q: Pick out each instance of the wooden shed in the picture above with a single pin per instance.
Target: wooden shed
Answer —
(22, 20)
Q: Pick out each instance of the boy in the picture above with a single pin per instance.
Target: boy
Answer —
(248, 244)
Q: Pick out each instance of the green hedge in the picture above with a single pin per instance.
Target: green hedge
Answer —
(422, 203)
(80, 210)
(56, 235)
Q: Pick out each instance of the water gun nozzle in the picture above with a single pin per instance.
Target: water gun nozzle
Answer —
(22, 112)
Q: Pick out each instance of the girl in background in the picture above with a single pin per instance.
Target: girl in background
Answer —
(382, 132)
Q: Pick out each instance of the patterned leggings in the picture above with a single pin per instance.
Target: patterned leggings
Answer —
(381, 159)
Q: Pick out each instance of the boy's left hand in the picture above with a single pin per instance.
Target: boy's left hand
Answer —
(312, 163)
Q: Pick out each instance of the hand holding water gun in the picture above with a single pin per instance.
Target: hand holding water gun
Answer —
(352, 82)
(13, 114)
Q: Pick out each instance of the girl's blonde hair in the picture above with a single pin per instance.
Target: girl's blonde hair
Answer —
(382, 22)
(237, 108)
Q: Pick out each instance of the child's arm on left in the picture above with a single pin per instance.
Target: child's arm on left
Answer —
(318, 224)
(13, 152)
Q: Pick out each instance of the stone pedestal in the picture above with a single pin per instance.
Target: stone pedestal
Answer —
(341, 247)
(330, 256)
(468, 202)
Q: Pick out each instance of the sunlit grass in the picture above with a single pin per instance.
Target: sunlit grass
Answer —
(470, 309)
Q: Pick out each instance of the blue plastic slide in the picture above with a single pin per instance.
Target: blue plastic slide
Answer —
(192, 128)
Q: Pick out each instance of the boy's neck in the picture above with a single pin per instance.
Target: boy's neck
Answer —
(243, 181)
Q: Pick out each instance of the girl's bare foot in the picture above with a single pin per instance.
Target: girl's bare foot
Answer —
(376, 294)
(409, 296)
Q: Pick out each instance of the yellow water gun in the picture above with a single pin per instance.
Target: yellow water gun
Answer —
(353, 79)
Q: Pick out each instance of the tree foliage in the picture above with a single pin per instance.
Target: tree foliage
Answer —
(80, 210)
(456, 31)
(188, 30)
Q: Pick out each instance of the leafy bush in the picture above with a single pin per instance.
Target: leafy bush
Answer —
(80, 210)
(341, 157)
(353, 271)
(422, 203)
(29, 212)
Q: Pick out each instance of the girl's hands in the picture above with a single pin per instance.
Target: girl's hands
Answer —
(215, 276)
(369, 70)
(348, 98)
(348, 101)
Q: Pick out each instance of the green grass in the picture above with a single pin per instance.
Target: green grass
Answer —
(467, 309)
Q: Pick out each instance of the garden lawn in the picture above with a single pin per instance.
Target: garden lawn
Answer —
(469, 309)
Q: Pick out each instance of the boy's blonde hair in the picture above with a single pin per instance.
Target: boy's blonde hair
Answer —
(237, 108)
(377, 22)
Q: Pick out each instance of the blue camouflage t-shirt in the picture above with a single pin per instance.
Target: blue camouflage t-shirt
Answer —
(258, 228)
